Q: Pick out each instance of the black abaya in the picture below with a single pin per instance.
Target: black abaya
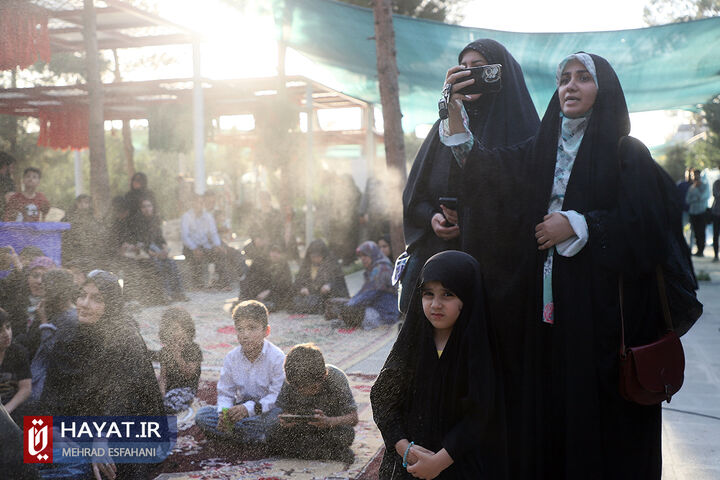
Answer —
(453, 401)
(435, 173)
(569, 420)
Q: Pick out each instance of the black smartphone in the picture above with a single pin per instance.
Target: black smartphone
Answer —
(449, 202)
(488, 79)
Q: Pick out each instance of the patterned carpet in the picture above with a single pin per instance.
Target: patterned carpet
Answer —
(194, 457)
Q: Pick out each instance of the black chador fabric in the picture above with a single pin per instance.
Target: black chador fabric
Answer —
(571, 421)
(452, 401)
(328, 272)
(496, 120)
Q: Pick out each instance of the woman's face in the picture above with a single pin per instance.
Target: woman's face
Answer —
(365, 260)
(577, 90)
(440, 306)
(35, 281)
(384, 247)
(90, 304)
(316, 259)
(136, 184)
(471, 58)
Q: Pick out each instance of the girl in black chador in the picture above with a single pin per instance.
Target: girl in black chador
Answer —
(591, 205)
(499, 119)
(437, 397)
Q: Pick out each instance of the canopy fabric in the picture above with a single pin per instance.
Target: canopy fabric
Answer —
(675, 66)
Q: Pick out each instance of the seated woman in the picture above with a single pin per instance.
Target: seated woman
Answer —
(376, 302)
(319, 278)
(105, 368)
(269, 279)
(146, 232)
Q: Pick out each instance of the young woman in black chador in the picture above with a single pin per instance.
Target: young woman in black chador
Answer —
(496, 120)
(439, 388)
(593, 205)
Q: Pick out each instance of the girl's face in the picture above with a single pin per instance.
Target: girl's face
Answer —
(90, 304)
(316, 259)
(83, 204)
(5, 336)
(577, 90)
(384, 247)
(365, 260)
(441, 306)
(136, 184)
(35, 282)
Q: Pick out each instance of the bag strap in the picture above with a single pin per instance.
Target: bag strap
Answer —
(663, 302)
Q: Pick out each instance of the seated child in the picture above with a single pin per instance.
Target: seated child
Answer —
(28, 205)
(318, 409)
(180, 360)
(250, 380)
(435, 400)
(15, 377)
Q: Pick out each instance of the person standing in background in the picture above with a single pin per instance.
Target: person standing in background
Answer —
(715, 217)
(697, 198)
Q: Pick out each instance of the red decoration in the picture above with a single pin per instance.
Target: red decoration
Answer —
(24, 35)
(63, 129)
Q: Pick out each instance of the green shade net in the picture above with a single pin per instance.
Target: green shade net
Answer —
(674, 66)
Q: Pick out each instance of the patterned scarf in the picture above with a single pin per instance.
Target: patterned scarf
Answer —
(572, 131)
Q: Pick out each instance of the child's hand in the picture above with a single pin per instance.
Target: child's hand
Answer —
(284, 422)
(428, 465)
(321, 420)
(237, 413)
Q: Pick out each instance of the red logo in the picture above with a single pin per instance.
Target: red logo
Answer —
(38, 439)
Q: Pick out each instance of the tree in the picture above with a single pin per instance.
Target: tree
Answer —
(675, 162)
(99, 179)
(703, 153)
(672, 11)
(429, 9)
(392, 117)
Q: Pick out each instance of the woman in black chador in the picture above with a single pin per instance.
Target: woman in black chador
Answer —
(593, 205)
(496, 120)
(439, 388)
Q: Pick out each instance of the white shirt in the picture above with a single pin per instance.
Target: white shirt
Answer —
(242, 380)
(199, 230)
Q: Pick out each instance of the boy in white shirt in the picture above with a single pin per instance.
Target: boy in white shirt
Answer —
(250, 380)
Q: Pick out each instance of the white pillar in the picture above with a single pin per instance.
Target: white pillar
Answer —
(309, 167)
(78, 173)
(198, 122)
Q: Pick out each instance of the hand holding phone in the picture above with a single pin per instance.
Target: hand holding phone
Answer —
(488, 79)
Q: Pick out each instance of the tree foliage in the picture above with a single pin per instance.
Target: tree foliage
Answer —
(429, 9)
(657, 12)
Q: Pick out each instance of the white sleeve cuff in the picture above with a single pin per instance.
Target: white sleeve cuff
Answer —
(250, 407)
(574, 244)
(457, 139)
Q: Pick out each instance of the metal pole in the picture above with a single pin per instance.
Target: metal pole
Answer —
(309, 168)
(79, 190)
(198, 122)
